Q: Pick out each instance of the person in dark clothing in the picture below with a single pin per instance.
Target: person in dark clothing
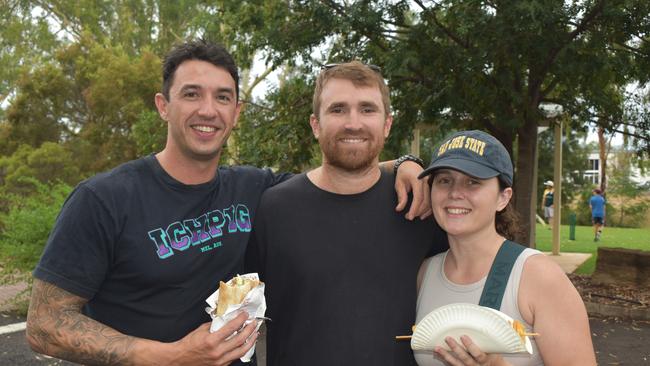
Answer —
(338, 265)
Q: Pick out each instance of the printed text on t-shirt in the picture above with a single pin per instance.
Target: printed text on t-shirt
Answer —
(179, 236)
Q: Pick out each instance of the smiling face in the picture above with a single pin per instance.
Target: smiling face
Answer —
(201, 111)
(465, 205)
(352, 125)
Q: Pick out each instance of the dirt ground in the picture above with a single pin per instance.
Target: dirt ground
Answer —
(617, 295)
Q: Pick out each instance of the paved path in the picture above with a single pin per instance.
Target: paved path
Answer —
(7, 293)
(569, 261)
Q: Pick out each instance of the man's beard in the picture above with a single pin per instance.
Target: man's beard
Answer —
(351, 159)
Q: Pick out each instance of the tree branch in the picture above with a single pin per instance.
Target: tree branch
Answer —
(247, 92)
(549, 88)
(64, 21)
(632, 134)
(250, 102)
(536, 82)
(633, 50)
(445, 30)
(341, 12)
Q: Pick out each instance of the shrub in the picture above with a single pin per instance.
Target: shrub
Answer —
(24, 228)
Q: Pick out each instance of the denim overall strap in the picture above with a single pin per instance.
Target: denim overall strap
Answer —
(497, 279)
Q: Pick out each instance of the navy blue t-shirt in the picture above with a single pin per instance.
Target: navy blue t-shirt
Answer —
(147, 250)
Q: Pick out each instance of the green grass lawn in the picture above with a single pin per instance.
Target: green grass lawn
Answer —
(584, 242)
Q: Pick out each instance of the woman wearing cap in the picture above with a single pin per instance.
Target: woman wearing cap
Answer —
(471, 188)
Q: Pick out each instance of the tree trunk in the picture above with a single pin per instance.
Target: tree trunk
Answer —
(525, 199)
(602, 151)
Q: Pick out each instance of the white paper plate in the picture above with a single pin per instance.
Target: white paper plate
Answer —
(489, 329)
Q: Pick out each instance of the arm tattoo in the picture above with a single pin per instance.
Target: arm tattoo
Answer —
(56, 326)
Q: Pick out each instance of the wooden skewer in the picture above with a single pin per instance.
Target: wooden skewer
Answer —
(530, 334)
(399, 338)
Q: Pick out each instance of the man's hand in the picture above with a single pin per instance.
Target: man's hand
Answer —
(407, 181)
(56, 327)
(219, 348)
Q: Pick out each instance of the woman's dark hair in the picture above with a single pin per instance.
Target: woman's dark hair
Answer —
(202, 50)
(507, 220)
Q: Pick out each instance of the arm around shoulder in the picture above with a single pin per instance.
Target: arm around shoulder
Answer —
(555, 309)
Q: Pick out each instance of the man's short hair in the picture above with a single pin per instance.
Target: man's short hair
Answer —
(201, 50)
(359, 74)
(597, 191)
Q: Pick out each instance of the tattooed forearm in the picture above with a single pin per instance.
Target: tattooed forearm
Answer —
(56, 326)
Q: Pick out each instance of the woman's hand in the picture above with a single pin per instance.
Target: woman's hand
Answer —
(470, 355)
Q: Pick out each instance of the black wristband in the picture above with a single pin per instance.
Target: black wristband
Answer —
(407, 157)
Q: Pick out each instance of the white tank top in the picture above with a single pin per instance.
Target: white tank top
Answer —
(436, 290)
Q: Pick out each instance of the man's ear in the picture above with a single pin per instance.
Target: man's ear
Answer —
(387, 125)
(315, 125)
(161, 105)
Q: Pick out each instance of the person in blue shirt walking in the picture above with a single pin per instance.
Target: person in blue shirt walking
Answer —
(597, 206)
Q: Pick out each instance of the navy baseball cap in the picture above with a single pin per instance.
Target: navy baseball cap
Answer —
(475, 153)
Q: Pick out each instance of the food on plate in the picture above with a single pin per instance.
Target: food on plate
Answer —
(521, 331)
(233, 292)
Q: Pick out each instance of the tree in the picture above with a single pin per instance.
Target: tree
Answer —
(25, 40)
(21, 172)
(88, 98)
(278, 134)
(91, 69)
(487, 64)
(452, 64)
(632, 198)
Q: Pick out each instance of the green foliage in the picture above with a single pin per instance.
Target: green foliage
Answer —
(149, 133)
(25, 40)
(278, 134)
(24, 228)
(35, 115)
(27, 168)
(83, 74)
(621, 210)
(632, 199)
(466, 64)
(88, 98)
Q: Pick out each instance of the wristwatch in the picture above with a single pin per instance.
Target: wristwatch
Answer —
(407, 157)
